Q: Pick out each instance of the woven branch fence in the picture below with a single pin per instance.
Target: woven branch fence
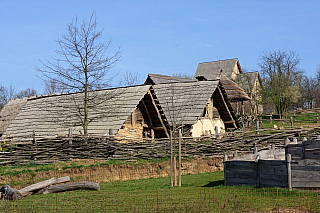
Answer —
(49, 150)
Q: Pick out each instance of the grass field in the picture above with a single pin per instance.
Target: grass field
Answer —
(198, 193)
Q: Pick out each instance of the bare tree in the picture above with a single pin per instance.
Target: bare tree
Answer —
(182, 75)
(52, 87)
(6, 94)
(130, 79)
(281, 77)
(29, 92)
(82, 65)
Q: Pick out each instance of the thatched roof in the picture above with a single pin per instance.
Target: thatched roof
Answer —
(54, 115)
(164, 79)
(211, 70)
(234, 92)
(9, 112)
(184, 102)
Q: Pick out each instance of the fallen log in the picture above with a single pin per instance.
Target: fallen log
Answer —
(37, 186)
(9, 193)
(83, 185)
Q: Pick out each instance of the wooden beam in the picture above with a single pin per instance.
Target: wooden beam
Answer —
(158, 113)
(145, 106)
(226, 106)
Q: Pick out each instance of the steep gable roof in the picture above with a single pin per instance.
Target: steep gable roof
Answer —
(211, 70)
(164, 79)
(247, 80)
(184, 102)
(54, 115)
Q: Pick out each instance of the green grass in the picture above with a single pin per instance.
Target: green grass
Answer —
(198, 193)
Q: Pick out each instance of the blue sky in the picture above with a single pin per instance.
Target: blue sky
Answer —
(161, 37)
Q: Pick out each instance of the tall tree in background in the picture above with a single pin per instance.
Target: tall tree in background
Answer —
(6, 94)
(82, 65)
(29, 92)
(281, 78)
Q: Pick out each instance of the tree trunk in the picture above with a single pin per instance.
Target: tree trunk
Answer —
(73, 186)
(34, 187)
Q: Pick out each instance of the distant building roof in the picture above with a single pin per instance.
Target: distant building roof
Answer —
(211, 70)
(164, 79)
(247, 80)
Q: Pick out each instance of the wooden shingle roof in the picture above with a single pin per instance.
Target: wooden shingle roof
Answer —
(54, 115)
(211, 70)
(164, 79)
(234, 92)
(9, 112)
(184, 102)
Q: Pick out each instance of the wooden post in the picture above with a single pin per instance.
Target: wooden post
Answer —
(257, 126)
(152, 133)
(216, 131)
(34, 137)
(288, 159)
(180, 138)
(317, 118)
(69, 136)
(271, 118)
(235, 155)
(255, 149)
(291, 121)
(171, 158)
(225, 159)
(175, 169)
(294, 117)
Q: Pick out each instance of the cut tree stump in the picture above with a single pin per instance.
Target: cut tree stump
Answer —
(83, 185)
(37, 186)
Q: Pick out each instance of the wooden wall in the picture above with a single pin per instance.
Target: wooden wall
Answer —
(263, 173)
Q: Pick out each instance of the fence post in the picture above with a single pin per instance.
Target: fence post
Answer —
(235, 155)
(257, 126)
(255, 149)
(294, 117)
(171, 158)
(317, 118)
(34, 137)
(291, 121)
(216, 130)
(69, 136)
(225, 159)
(288, 159)
(180, 135)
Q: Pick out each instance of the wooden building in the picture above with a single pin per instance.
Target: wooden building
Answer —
(128, 111)
(197, 107)
(249, 82)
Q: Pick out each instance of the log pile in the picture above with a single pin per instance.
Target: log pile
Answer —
(50, 150)
(47, 187)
